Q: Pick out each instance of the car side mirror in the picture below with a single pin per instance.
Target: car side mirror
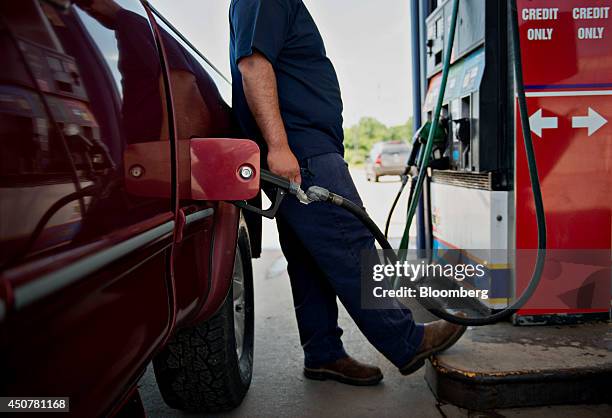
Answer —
(210, 169)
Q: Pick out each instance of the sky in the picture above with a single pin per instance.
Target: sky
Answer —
(368, 42)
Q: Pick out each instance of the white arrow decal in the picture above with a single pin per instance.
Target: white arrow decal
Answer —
(593, 121)
(539, 122)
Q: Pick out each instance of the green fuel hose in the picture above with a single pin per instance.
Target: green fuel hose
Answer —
(426, 153)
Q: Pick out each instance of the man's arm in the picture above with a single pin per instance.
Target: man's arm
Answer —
(260, 89)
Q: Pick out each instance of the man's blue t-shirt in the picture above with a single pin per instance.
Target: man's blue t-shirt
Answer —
(309, 93)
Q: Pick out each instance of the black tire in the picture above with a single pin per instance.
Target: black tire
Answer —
(376, 179)
(200, 369)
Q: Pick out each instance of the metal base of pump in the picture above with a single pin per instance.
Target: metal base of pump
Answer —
(503, 366)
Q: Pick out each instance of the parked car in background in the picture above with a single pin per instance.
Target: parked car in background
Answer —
(387, 158)
(108, 261)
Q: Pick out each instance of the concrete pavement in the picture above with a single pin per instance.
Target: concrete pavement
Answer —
(279, 389)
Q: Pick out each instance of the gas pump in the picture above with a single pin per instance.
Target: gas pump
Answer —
(485, 188)
(570, 107)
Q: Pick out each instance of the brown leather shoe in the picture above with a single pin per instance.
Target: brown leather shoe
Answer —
(346, 370)
(438, 336)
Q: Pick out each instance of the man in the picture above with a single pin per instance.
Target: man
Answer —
(287, 97)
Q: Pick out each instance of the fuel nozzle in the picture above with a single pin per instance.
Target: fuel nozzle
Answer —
(437, 159)
(285, 184)
(297, 191)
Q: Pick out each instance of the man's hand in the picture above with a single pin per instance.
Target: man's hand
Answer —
(259, 82)
(282, 162)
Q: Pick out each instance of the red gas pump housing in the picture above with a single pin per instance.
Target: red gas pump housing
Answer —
(567, 63)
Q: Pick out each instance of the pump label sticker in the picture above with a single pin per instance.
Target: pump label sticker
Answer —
(568, 44)
(585, 118)
(552, 14)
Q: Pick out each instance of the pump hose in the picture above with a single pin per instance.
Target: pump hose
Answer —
(426, 153)
(405, 180)
(320, 194)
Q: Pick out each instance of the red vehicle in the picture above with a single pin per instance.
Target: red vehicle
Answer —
(117, 247)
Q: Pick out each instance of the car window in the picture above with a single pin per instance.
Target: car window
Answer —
(201, 94)
(395, 148)
(79, 85)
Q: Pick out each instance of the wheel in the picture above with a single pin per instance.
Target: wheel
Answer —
(376, 179)
(368, 178)
(208, 367)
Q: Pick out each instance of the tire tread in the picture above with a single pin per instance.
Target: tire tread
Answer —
(197, 371)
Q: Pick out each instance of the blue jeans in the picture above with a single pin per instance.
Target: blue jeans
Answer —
(322, 244)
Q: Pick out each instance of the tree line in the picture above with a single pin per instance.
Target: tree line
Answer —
(359, 138)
